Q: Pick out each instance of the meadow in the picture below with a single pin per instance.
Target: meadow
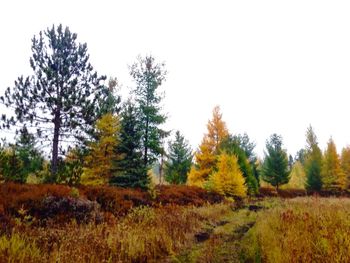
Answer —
(55, 223)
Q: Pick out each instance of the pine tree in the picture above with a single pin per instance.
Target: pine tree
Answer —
(61, 98)
(179, 160)
(130, 170)
(99, 161)
(205, 157)
(345, 164)
(333, 176)
(149, 76)
(312, 157)
(275, 169)
(228, 179)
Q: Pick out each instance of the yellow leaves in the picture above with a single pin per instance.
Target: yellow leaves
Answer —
(332, 173)
(228, 179)
(102, 152)
(206, 155)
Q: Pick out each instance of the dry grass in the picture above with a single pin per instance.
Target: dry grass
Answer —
(145, 234)
(303, 230)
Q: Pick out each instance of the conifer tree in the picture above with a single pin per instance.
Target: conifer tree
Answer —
(130, 170)
(61, 98)
(149, 76)
(99, 161)
(345, 164)
(275, 169)
(333, 176)
(228, 179)
(312, 158)
(205, 157)
(179, 160)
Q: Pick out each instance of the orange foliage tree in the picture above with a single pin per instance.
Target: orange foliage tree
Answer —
(333, 176)
(205, 157)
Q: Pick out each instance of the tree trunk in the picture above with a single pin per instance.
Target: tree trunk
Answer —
(56, 134)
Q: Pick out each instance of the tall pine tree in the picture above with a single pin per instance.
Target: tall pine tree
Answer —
(149, 76)
(61, 98)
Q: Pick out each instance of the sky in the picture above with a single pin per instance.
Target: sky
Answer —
(272, 66)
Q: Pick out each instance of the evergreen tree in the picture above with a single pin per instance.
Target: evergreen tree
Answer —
(248, 147)
(313, 162)
(130, 170)
(61, 98)
(99, 161)
(345, 164)
(275, 170)
(233, 146)
(228, 179)
(179, 160)
(149, 76)
(297, 177)
(31, 158)
(205, 157)
(333, 177)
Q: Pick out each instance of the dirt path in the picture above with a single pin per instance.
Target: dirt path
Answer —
(221, 243)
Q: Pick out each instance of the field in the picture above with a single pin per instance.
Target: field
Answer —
(51, 223)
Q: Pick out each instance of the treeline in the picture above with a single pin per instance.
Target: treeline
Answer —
(97, 139)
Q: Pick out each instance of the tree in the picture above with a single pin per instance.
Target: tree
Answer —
(275, 168)
(130, 170)
(31, 158)
(205, 157)
(99, 161)
(61, 98)
(345, 163)
(297, 177)
(234, 145)
(179, 160)
(312, 157)
(228, 179)
(333, 177)
(149, 76)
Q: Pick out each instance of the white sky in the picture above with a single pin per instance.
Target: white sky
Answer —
(272, 66)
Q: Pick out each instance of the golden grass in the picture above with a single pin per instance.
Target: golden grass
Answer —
(145, 234)
(303, 230)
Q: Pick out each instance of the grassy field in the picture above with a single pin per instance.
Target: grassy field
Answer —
(191, 229)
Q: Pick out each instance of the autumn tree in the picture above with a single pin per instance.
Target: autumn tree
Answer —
(149, 76)
(205, 157)
(345, 164)
(234, 146)
(179, 160)
(297, 177)
(333, 177)
(275, 169)
(228, 179)
(99, 161)
(312, 158)
(130, 170)
(61, 98)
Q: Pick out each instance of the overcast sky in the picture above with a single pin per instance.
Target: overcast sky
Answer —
(272, 66)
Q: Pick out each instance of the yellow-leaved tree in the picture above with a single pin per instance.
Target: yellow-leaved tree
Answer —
(205, 157)
(333, 177)
(345, 164)
(99, 161)
(297, 177)
(228, 179)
